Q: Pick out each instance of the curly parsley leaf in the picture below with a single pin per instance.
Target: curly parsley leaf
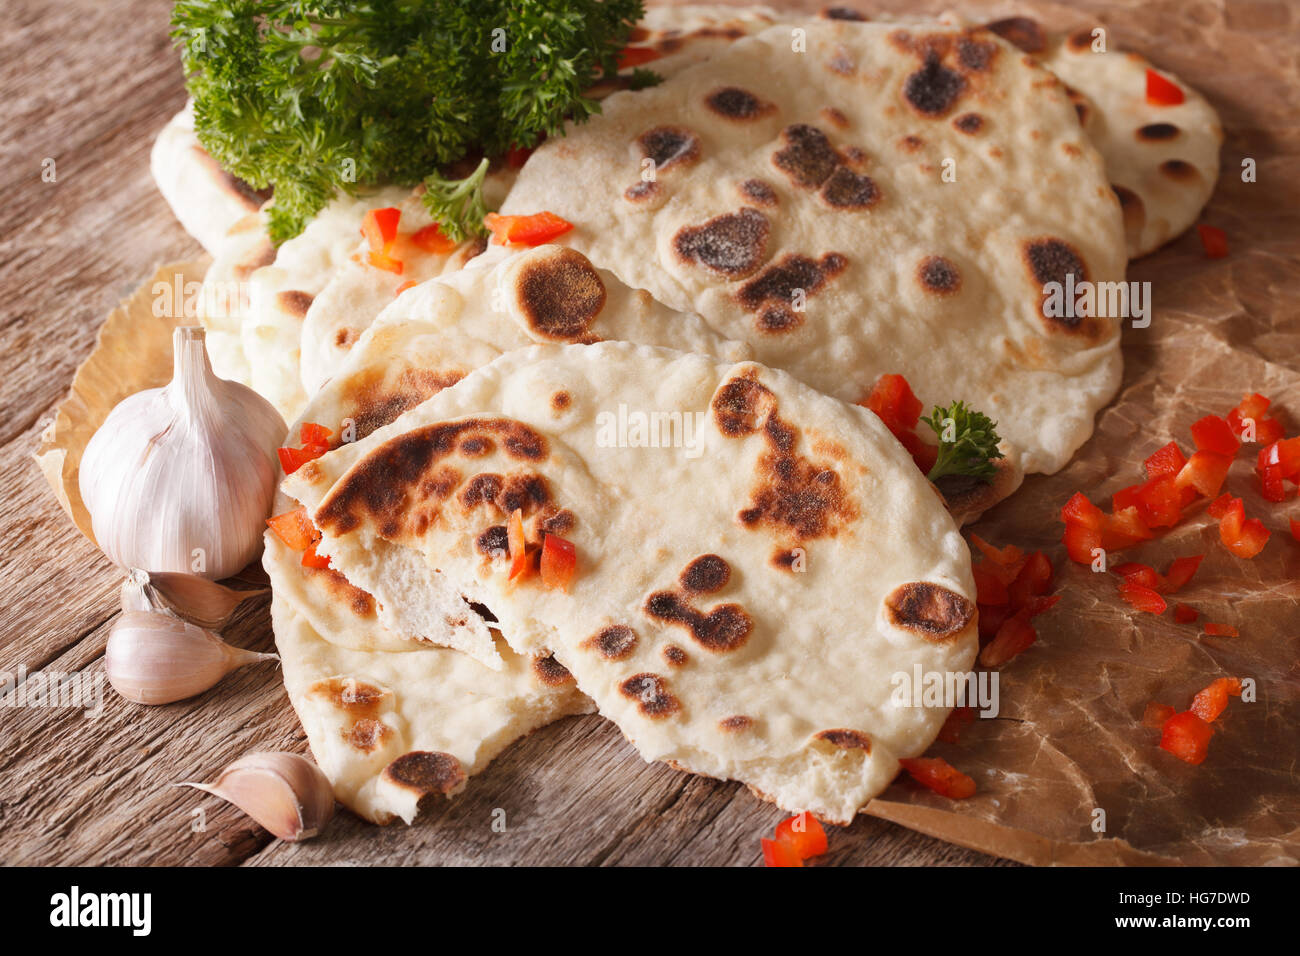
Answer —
(968, 442)
(317, 96)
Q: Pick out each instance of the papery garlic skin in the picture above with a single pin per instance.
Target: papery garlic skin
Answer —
(284, 792)
(187, 596)
(181, 478)
(155, 658)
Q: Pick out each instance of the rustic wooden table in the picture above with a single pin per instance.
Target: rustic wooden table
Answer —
(88, 84)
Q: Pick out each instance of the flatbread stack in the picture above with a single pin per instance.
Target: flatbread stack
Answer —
(803, 205)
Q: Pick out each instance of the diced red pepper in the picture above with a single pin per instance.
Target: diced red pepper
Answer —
(1038, 605)
(922, 452)
(1159, 501)
(1205, 471)
(1123, 529)
(559, 562)
(1212, 433)
(1221, 505)
(379, 226)
(516, 156)
(1253, 407)
(1081, 541)
(1079, 510)
(631, 56)
(804, 834)
(1213, 700)
(1221, 630)
(1035, 578)
(1179, 573)
(534, 230)
(991, 618)
(1161, 92)
(1295, 529)
(1184, 614)
(1244, 538)
(1008, 559)
(310, 559)
(776, 853)
(1268, 430)
(1284, 455)
(430, 239)
(1013, 636)
(1142, 598)
(520, 562)
(1187, 737)
(893, 401)
(1142, 574)
(989, 587)
(312, 434)
(940, 776)
(1214, 240)
(958, 718)
(408, 284)
(1125, 498)
(1156, 714)
(294, 528)
(382, 260)
(1166, 460)
(291, 459)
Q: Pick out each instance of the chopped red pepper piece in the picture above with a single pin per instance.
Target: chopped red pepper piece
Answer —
(408, 284)
(1142, 598)
(892, 399)
(1081, 541)
(1205, 471)
(1187, 737)
(1244, 538)
(1156, 714)
(430, 239)
(1180, 572)
(952, 726)
(804, 834)
(922, 452)
(1008, 559)
(1079, 510)
(631, 56)
(520, 564)
(1125, 498)
(1142, 574)
(531, 230)
(1295, 529)
(776, 853)
(1221, 630)
(1013, 636)
(1038, 605)
(1166, 460)
(516, 156)
(1214, 240)
(310, 559)
(1213, 700)
(1184, 614)
(1252, 407)
(313, 434)
(1035, 578)
(940, 776)
(559, 562)
(1212, 433)
(382, 260)
(1159, 501)
(1161, 92)
(291, 459)
(379, 226)
(1123, 529)
(991, 618)
(989, 587)
(294, 528)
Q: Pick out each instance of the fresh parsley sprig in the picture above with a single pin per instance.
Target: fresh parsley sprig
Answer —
(316, 96)
(968, 442)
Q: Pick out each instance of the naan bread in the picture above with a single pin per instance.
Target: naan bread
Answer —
(1162, 160)
(391, 722)
(206, 199)
(799, 205)
(223, 303)
(741, 612)
(437, 333)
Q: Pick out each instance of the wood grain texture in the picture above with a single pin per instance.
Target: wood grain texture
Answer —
(89, 84)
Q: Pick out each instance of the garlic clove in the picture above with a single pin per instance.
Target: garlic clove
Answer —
(181, 478)
(155, 658)
(188, 596)
(284, 792)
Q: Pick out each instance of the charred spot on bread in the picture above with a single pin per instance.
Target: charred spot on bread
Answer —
(735, 724)
(807, 156)
(669, 146)
(426, 772)
(1080, 41)
(551, 672)
(294, 302)
(758, 192)
(939, 275)
(843, 13)
(771, 293)
(733, 244)
(650, 691)
(1051, 260)
(1023, 32)
(735, 103)
(356, 698)
(674, 656)
(705, 575)
(724, 628)
(560, 294)
(1133, 210)
(845, 739)
(976, 55)
(933, 89)
(479, 490)
(367, 734)
(642, 191)
(612, 643)
(375, 400)
(1157, 132)
(930, 610)
(969, 123)
(846, 189)
(494, 542)
(560, 521)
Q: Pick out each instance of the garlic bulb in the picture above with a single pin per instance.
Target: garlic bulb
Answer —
(181, 478)
(283, 792)
(154, 658)
(188, 596)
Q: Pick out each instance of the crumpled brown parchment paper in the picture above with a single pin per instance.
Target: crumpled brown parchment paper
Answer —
(1068, 741)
